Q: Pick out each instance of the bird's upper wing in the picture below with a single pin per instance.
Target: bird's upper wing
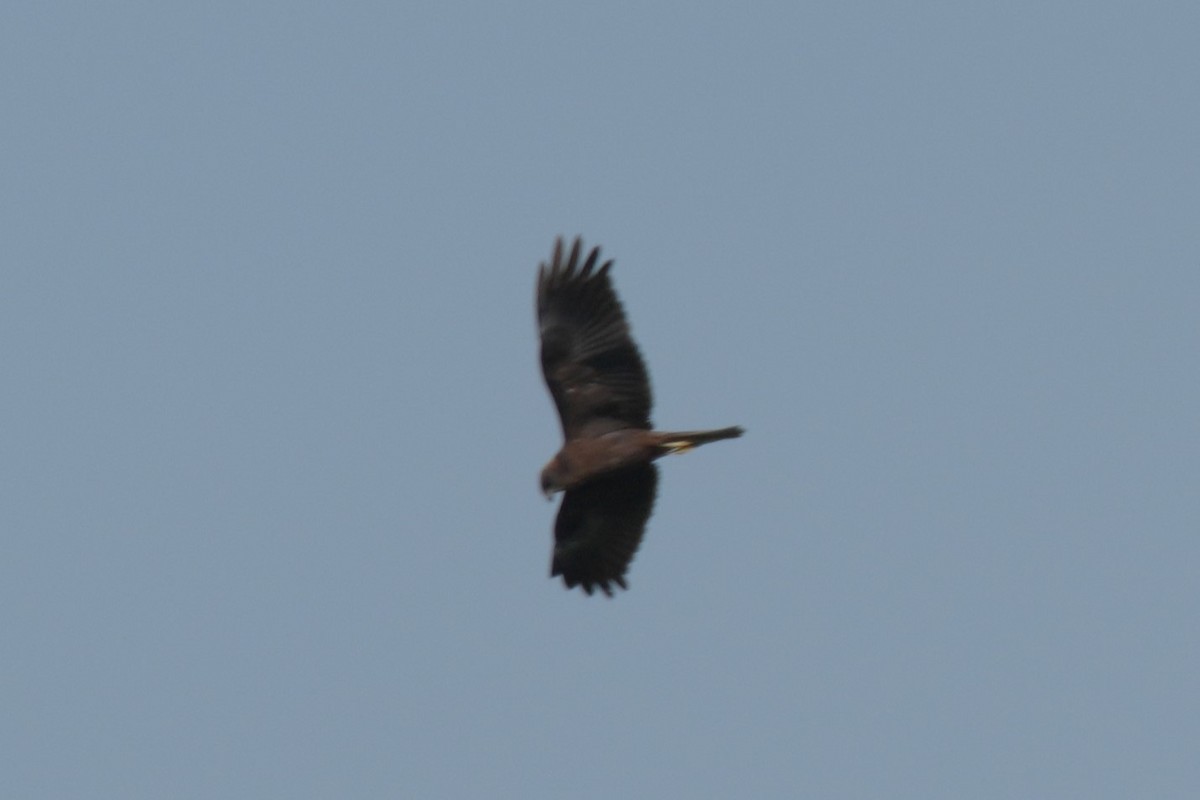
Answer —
(591, 365)
(600, 525)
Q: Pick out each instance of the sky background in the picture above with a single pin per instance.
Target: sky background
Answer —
(273, 414)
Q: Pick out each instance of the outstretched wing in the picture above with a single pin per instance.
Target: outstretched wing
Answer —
(600, 525)
(591, 365)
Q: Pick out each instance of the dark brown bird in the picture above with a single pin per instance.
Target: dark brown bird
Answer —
(599, 384)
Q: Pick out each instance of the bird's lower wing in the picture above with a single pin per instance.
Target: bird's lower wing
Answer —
(600, 526)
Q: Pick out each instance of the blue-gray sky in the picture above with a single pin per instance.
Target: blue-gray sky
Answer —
(271, 525)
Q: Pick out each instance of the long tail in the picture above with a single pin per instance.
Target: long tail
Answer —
(682, 441)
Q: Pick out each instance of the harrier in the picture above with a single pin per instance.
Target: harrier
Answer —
(599, 384)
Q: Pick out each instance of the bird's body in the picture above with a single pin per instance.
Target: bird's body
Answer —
(580, 460)
(602, 392)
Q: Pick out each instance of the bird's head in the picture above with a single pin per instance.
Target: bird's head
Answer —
(553, 477)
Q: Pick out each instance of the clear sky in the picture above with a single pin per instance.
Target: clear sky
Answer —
(273, 416)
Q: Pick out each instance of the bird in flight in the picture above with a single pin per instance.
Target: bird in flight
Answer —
(605, 468)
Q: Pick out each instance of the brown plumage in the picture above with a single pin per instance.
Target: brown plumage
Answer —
(599, 384)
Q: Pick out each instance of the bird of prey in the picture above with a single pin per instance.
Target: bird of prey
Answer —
(599, 384)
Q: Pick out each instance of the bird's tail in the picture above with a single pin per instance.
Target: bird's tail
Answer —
(682, 441)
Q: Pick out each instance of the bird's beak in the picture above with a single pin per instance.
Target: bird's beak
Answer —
(548, 494)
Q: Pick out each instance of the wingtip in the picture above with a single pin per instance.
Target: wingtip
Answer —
(567, 263)
(589, 587)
